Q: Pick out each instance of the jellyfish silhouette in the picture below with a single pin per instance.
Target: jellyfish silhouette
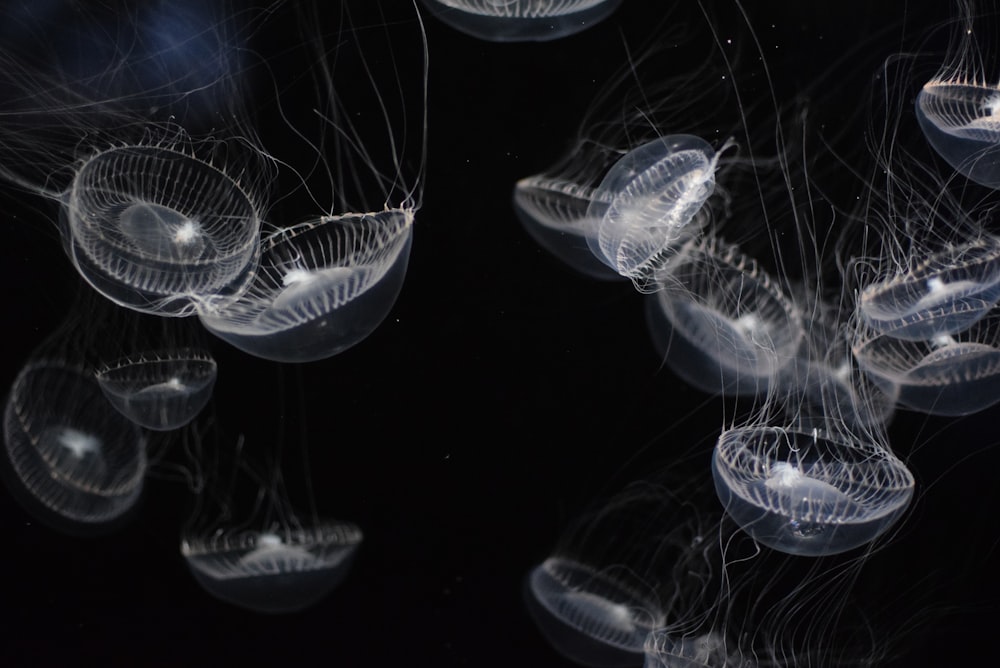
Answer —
(160, 391)
(521, 20)
(155, 216)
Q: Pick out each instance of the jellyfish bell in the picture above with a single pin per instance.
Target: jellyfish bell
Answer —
(521, 20)
(721, 322)
(160, 391)
(810, 494)
(273, 571)
(322, 287)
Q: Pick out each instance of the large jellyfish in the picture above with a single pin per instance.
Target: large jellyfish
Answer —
(521, 20)
(325, 284)
(158, 212)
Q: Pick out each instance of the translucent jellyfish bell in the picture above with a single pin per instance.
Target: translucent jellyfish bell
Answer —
(959, 118)
(811, 494)
(521, 20)
(322, 287)
(648, 201)
(593, 618)
(275, 571)
(945, 293)
(721, 323)
(945, 375)
(160, 231)
(160, 391)
(74, 460)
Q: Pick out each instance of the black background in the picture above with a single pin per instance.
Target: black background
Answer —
(503, 395)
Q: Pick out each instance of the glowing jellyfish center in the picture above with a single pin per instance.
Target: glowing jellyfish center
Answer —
(77, 442)
(805, 496)
(617, 615)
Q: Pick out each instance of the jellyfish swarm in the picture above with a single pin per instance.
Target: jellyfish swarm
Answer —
(160, 391)
(159, 231)
(322, 287)
(277, 571)
(74, 461)
(521, 20)
(811, 494)
(593, 618)
(720, 322)
(647, 203)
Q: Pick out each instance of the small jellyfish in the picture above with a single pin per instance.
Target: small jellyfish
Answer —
(721, 322)
(71, 459)
(521, 20)
(811, 494)
(946, 375)
(594, 618)
(322, 287)
(160, 391)
(945, 293)
(275, 570)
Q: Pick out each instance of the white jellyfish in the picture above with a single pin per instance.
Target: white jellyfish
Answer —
(160, 390)
(521, 20)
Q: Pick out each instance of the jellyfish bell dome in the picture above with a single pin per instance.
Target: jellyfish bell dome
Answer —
(157, 230)
(275, 571)
(70, 458)
(649, 202)
(322, 287)
(521, 20)
(960, 120)
(810, 494)
(160, 391)
(947, 292)
(594, 618)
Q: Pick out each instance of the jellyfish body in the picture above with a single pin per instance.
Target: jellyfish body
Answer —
(959, 118)
(160, 392)
(521, 20)
(159, 231)
(594, 618)
(947, 292)
(273, 571)
(74, 461)
(810, 494)
(322, 287)
(721, 323)
(648, 201)
(554, 212)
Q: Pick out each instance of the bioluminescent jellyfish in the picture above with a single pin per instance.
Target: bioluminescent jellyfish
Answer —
(155, 216)
(957, 108)
(809, 493)
(945, 375)
(273, 571)
(721, 322)
(648, 204)
(521, 20)
(325, 284)
(322, 287)
(160, 391)
(73, 460)
(943, 294)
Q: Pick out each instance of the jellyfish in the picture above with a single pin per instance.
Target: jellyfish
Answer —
(809, 493)
(160, 391)
(325, 284)
(274, 570)
(957, 107)
(521, 20)
(70, 458)
(721, 322)
(158, 213)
